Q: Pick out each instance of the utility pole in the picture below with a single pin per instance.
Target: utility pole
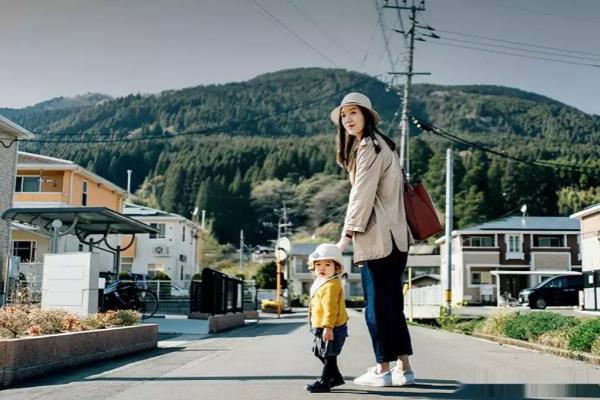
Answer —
(449, 227)
(241, 250)
(404, 124)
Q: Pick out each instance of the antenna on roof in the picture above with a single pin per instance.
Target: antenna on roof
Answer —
(524, 209)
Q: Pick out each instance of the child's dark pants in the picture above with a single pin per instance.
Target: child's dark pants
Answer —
(327, 352)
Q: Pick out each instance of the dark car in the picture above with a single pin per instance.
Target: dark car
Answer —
(562, 290)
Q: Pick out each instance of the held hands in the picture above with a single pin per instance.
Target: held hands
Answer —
(344, 242)
(327, 334)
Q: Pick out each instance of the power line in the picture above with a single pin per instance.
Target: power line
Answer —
(215, 129)
(284, 26)
(323, 31)
(515, 48)
(429, 127)
(515, 54)
(514, 42)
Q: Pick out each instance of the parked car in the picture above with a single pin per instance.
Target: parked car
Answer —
(562, 290)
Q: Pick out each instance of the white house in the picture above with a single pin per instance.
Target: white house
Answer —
(590, 255)
(175, 250)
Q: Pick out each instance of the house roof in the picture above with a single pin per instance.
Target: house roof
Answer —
(137, 211)
(593, 209)
(528, 224)
(7, 127)
(515, 223)
(31, 158)
(31, 161)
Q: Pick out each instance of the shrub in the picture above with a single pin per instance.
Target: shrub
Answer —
(13, 321)
(469, 326)
(49, 321)
(495, 324)
(530, 326)
(584, 335)
(125, 276)
(447, 320)
(557, 338)
(271, 306)
(120, 317)
(596, 347)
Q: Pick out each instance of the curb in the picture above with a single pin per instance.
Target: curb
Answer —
(574, 355)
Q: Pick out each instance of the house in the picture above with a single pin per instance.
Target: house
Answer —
(174, 250)
(48, 182)
(300, 278)
(525, 249)
(590, 255)
(424, 260)
(10, 133)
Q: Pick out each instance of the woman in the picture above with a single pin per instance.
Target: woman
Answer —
(376, 224)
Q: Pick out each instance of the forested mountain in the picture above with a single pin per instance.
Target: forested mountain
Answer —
(240, 150)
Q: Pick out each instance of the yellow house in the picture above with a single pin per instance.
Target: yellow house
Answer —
(43, 181)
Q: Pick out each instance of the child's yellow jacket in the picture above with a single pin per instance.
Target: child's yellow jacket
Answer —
(327, 306)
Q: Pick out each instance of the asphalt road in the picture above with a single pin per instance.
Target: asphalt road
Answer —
(272, 360)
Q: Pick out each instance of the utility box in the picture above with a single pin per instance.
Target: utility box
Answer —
(70, 282)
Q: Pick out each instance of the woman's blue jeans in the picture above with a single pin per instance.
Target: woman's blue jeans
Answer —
(384, 306)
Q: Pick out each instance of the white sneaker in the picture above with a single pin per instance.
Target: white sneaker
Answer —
(400, 378)
(372, 378)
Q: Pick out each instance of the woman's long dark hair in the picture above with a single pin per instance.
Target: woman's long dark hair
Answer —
(345, 142)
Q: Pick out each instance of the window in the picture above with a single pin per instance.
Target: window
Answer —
(28, 184)
(514, 246)
(161, 231)
(301, 265)
(482, 276)
(154, 268)
(25, 250)
(558, 283)
(183, 234)
(356, 289)
(478, 241)
(548, 241)
(84, 193)
(126, 264)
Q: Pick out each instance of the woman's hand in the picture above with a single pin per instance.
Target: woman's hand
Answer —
(327, 334)
(344, 242)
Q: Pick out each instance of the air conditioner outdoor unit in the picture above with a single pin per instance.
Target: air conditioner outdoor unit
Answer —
(160, 251)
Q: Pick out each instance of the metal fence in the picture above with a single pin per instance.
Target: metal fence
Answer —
(217, 293)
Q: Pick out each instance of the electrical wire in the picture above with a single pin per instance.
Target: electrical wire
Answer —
(515, 42)
(215, 129)
(597, 59)
(429, 127)
(514, 54)
(324, 32)
(287, 28)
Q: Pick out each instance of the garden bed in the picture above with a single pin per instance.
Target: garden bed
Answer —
(27, 357)
(571, 337)
(35, 342)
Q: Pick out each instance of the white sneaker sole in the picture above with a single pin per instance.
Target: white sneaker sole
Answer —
(382, 384)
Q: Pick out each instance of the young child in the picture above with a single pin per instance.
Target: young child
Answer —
(328, 316)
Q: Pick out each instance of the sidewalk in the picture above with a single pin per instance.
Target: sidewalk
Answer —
(271, 360)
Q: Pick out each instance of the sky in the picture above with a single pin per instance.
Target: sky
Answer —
(117, 47)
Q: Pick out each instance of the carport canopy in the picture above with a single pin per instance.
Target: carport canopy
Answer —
(81, 221)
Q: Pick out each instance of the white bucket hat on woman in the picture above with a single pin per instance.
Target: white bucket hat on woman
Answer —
(358, 99)
(326, 252)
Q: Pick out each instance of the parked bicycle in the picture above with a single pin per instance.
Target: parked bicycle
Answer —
(129, 295)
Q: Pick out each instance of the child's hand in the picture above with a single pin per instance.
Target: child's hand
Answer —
(327, 334)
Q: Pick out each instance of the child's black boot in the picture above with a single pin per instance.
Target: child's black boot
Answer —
(318, 387)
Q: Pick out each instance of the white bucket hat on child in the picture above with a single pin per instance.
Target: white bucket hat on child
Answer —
(354, 98)
(326, 252)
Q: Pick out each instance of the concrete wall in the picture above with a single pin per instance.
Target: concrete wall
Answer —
(8, 160)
